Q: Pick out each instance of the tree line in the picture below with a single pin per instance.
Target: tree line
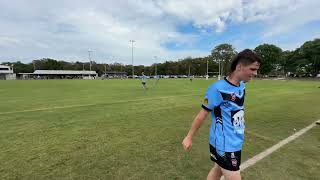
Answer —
(303, 62)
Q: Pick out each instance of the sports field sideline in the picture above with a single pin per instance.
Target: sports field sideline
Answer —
(113, 129)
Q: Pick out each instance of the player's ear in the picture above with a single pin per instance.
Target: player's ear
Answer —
(239, 67)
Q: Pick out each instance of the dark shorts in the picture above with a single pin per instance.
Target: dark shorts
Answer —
(227, 160)
(143, 83)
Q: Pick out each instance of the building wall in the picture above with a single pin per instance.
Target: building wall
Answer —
(10, 76)
(2, 76)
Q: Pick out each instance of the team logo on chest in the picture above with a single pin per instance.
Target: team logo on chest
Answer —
(233, 97)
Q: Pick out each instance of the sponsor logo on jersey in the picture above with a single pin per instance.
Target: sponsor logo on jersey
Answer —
(233, 97)
(238, 121)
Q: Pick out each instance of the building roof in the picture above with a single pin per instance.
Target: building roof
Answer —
(25, 73)
(4, 66)
(5, 69)
(114, 72)
(63, 72)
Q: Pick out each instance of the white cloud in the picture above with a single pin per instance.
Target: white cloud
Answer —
(203, 13)
(295, 16)
(68, 29)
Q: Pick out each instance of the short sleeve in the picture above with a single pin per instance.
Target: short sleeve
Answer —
(212, 99)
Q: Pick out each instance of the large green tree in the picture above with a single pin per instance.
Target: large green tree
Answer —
(223, 53)
(310, 51)
(271, 58)
(285, 61)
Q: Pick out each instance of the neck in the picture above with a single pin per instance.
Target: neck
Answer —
(233, 79)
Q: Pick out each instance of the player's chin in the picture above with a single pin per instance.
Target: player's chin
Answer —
(248, 79)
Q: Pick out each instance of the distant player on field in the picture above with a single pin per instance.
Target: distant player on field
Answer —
(157, 79)
(225, 101)
(144, 81)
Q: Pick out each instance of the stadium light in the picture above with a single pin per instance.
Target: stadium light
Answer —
(132, 41)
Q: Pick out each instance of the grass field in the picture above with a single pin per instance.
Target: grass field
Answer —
(112, 129)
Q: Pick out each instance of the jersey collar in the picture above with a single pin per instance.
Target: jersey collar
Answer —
(231, 82)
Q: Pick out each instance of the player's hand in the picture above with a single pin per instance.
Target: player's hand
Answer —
(187, 143)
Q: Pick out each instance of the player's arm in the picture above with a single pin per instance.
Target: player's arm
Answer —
(198, 120)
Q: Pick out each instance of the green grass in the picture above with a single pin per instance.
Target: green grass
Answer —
(298, 160)
(73, 129)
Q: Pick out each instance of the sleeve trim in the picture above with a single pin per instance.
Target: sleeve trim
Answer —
(206, 108)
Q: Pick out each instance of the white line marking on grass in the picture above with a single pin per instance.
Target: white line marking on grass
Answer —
(84, 105)
(275, 147)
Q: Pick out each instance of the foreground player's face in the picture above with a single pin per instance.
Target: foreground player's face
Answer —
(249, 71)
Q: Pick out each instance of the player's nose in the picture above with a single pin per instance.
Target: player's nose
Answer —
(254, 73)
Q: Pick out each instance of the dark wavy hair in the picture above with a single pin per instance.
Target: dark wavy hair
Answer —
(245, 57)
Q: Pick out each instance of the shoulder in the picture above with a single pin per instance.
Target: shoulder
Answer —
(214, 87)
(242, 84)
(218, 85)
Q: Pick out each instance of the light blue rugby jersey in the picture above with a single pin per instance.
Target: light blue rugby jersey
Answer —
(225, 101)
(144, 78)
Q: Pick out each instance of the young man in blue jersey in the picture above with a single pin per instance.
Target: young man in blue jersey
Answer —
(225, 101)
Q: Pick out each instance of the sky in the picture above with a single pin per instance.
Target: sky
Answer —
(162, 30)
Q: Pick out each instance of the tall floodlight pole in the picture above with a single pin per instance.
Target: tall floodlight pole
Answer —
(155, 68)
(221, 53)
(207, 70)
(89, 52)
(219, 76)
(132, 41)
(34, 66)
(121, 76)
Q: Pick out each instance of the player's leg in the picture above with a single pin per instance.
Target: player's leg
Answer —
(215, 173)
(144, 85)
(231, 175)
(228, 162)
